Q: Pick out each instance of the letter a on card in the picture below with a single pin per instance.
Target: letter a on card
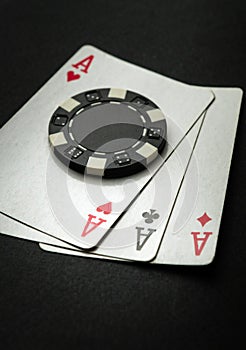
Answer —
(84, 64)
(91, 224)
(202, 240)
(141, 242)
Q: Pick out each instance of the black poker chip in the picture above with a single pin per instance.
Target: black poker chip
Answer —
(107, 132)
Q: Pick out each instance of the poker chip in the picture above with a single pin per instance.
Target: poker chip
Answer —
(107, 132)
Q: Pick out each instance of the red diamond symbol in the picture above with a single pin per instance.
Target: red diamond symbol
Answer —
(204, 219)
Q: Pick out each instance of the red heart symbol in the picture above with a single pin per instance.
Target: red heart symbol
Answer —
(105, 208)
(72, 76)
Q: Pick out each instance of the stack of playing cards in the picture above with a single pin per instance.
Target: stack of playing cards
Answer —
(112, 161)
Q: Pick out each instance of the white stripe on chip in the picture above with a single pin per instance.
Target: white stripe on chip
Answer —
(117, 93)
(57, 139)
(155, 115)
(70, 104)
(148, 151)
(96, 166)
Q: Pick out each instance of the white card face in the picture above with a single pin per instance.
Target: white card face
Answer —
(59, 201)
(191, 237)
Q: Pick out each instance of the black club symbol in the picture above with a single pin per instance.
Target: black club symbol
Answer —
(150, 216)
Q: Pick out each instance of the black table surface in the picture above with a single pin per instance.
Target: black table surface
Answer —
(56, 301)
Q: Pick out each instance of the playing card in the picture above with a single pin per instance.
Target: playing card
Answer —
(191, 236)
(39, 191)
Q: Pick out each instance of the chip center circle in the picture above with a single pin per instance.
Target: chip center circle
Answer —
(107, 127)
(108, 132)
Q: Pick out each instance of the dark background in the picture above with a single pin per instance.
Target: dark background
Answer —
(49, 300)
